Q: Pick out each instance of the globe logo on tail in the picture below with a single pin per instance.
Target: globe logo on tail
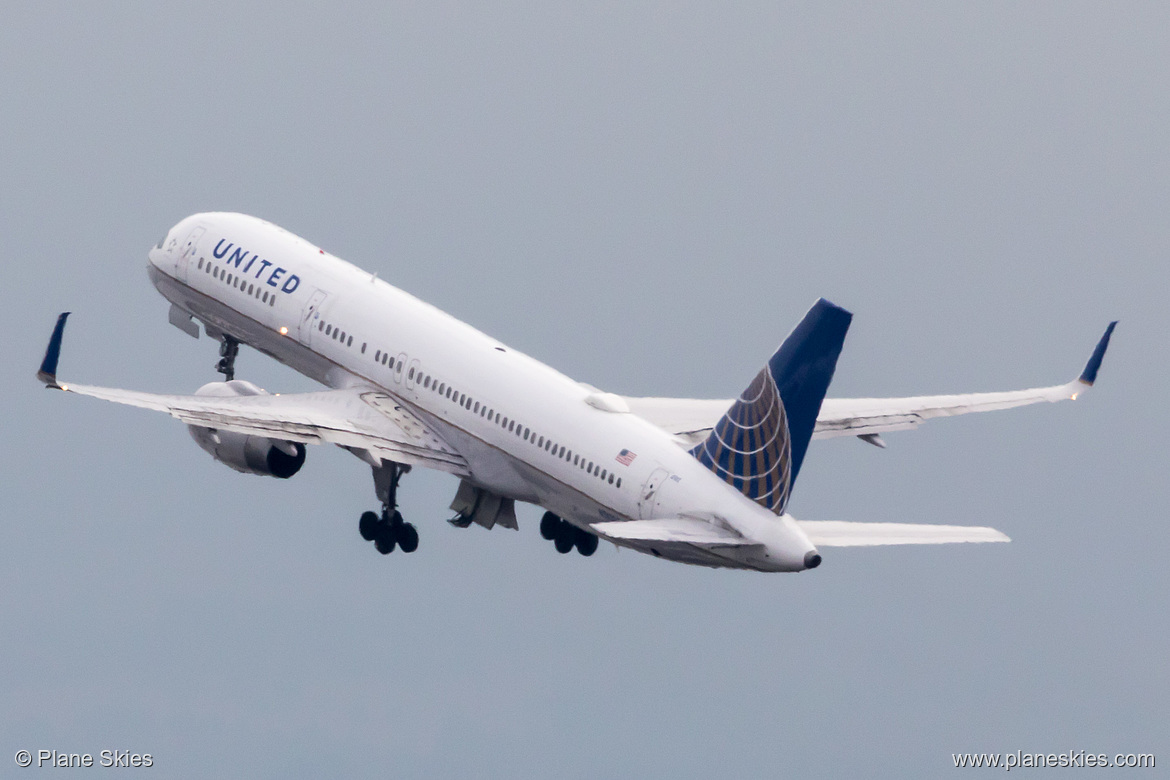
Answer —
(750, 448)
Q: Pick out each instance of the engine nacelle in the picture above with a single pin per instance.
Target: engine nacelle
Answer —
(243, 452)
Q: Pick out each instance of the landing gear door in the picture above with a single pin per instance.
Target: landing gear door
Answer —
(188, 252)
(310, 317)
(648, 497)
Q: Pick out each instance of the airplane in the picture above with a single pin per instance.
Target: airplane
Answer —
(703, 482)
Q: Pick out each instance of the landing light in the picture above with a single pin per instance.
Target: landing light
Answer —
(1074, 396)
(284, 332)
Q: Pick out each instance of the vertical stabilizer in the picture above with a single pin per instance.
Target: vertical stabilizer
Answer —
(758, 446)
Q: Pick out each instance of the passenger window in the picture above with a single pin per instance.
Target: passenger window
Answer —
(377, 356)
(574, 460)
(619, 482)
(350, 342)
(410, 375)
(541, 442)
(476, 409)
(603, 473)
(251, 289)
(611, 478)
(200, 264)
(363, 347)
(426, 383)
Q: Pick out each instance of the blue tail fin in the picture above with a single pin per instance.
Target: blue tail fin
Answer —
(760, 443)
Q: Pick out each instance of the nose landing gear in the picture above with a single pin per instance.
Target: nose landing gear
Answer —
(228, 349)
(388, 530)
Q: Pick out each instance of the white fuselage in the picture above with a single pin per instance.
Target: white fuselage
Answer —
(527, 431)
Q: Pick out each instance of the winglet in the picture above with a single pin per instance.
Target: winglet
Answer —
(48, 372)
(1089, 375)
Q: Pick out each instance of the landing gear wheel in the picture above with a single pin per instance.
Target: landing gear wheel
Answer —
(566, 535)
(408, 537)
(228, 349)
(586, 543)
(368, 526)
(385, 539)
(549, 525)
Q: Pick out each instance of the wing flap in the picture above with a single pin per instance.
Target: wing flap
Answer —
(836, 533)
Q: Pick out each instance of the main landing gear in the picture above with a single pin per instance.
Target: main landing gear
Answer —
(565, 536)
(388, 530)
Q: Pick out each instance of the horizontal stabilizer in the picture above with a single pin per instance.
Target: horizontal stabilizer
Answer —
(677, 530)
(836, 533)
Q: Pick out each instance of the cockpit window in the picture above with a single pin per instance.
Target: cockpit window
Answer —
(161, 241)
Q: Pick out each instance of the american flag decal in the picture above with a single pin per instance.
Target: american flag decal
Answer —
(625, 457)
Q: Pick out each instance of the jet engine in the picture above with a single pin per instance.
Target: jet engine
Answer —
(244, 452)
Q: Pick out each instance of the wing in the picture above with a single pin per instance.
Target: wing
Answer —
(692, 419)
(832, 533)
(355, 418)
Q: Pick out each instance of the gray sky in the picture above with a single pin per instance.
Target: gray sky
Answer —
(646, 196)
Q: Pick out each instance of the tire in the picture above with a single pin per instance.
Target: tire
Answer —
(384, 541)
(566, 536)
(408, 538)
(368, 526)
(549, 525)
(586, 543)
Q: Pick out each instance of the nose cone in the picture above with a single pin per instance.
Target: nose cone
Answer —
(158, 254)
